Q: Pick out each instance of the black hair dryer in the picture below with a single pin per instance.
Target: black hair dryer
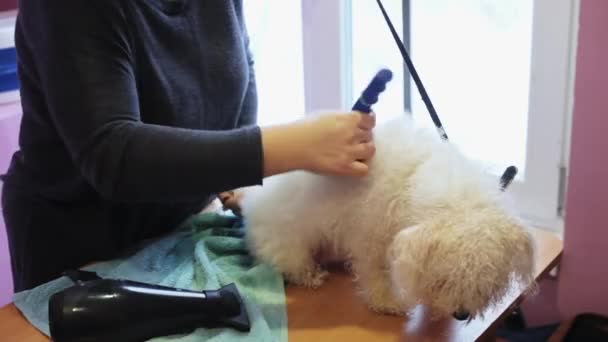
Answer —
(98, 310)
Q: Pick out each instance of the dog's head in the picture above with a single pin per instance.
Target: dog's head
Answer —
(461, 262)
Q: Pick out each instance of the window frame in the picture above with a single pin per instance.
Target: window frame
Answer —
(326, 54)
(554, 41)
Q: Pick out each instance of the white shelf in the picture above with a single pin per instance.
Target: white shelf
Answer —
(7, 28)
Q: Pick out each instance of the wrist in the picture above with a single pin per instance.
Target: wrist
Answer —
(284, 148)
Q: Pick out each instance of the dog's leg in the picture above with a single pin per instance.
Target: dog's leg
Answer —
(308, 275)
(372, 274)
(295, 261)
(299, 268)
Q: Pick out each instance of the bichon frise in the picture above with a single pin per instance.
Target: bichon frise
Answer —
(426, 226)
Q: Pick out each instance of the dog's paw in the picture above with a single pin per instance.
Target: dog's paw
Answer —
(383, 302)
(313, 278)
(388, 308)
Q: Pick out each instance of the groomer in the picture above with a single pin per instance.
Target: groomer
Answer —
(136, 114)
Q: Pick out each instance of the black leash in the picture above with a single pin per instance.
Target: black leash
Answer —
(509, 174)
(414, 73)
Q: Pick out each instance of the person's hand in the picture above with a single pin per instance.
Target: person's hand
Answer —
(328, 143)
(339, 143)
(231, 200)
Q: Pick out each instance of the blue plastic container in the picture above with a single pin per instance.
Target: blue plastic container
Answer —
(8, 70)
(9, 81)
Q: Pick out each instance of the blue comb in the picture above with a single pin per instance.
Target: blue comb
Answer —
(370, 95)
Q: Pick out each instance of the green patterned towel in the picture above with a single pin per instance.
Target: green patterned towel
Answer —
(207, 252)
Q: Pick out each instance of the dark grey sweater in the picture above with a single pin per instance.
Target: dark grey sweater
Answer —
(135, 111)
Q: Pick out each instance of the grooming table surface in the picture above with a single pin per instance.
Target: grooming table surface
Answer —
(334, 313)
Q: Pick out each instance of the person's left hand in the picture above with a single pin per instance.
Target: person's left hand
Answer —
(231, 200)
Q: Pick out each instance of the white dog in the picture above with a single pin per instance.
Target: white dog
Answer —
(426, 226)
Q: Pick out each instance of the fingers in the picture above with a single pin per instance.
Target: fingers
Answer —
(364, 151)
(231, 201)
(234, 206)
(358, 169)
(360, 153)
(364, 148)
(362, 136)
(225, 196)
(366, 121)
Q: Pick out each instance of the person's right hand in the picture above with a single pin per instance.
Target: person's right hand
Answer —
(339, 143)
(327, 143)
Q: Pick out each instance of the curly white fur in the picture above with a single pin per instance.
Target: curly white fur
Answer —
(426, 226)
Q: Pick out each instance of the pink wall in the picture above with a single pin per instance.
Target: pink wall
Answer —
(10, 118)
(9, 128)
(583, 284)
(8, 4)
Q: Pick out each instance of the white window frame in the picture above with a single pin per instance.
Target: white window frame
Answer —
(327, 63)
(554, 41)
(326, 54)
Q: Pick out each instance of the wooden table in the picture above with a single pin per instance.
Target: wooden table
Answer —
(334, 313)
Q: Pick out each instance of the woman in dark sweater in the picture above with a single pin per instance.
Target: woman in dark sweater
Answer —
(135, 115)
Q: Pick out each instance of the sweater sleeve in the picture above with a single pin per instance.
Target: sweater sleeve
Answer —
(250, 107)
(84, 64)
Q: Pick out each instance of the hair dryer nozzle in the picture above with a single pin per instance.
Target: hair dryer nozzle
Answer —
(231, 298)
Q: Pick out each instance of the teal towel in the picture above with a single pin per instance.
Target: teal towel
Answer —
(207, 252)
